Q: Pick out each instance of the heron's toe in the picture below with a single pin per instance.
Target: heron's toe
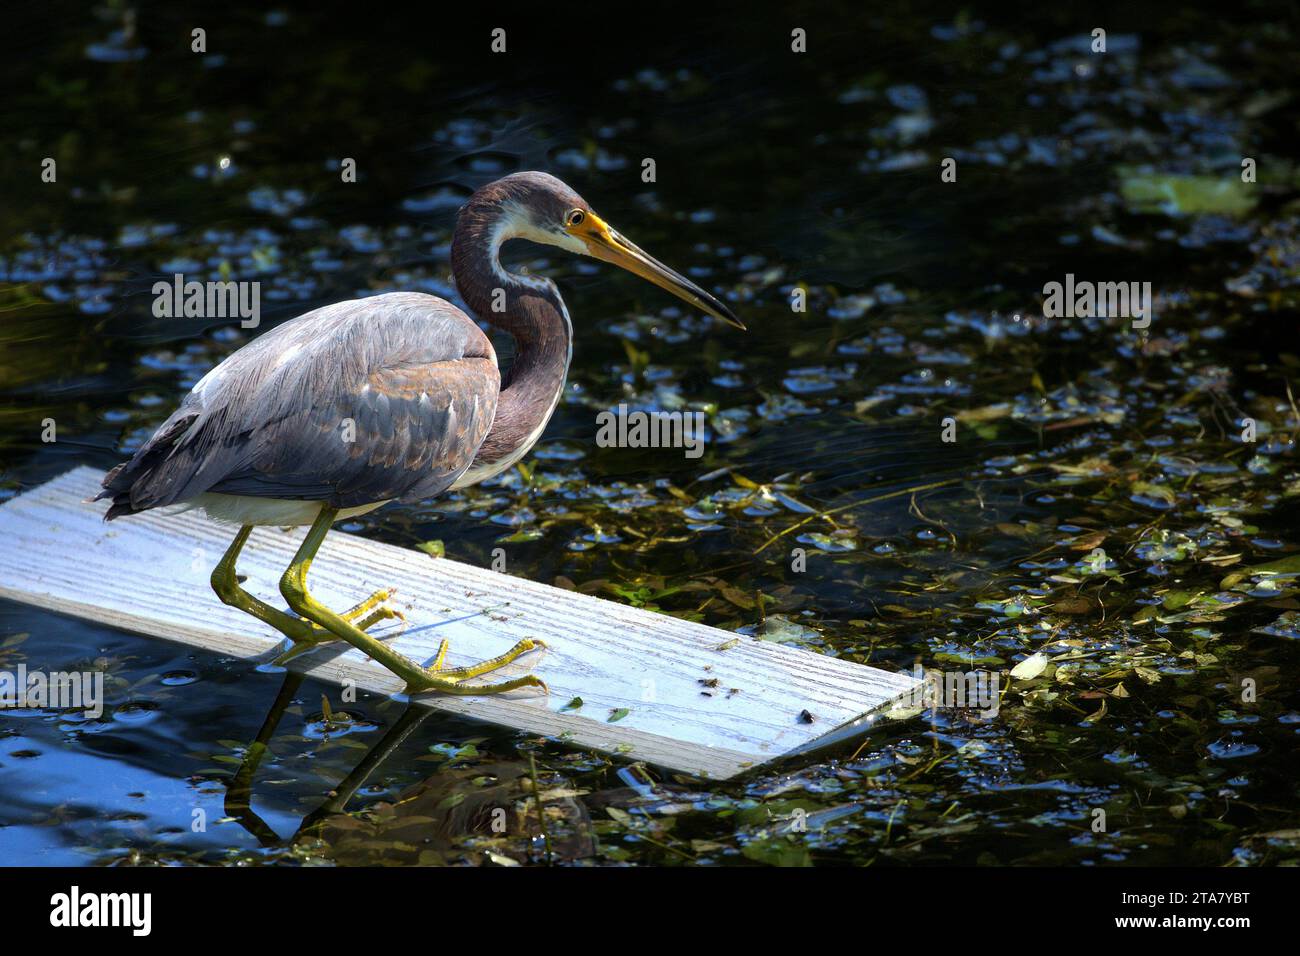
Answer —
(376, 600)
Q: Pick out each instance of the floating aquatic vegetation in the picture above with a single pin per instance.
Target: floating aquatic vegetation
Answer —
(1100, 536)
(1180, 195)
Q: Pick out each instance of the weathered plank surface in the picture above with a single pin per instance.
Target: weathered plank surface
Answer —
(149, 574)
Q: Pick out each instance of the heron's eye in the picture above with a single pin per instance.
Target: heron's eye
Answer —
(574, 218)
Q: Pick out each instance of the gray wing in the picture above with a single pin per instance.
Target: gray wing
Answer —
(358, 402)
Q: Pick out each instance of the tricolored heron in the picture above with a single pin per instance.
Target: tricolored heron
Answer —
(394, 397)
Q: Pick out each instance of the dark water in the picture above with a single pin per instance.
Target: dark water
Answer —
(925, 301)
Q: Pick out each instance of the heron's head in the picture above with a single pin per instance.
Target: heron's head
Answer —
(548, 211)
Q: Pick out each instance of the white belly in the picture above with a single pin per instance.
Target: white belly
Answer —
(279, 512)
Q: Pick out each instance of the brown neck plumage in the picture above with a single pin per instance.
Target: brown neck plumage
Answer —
(528, 309)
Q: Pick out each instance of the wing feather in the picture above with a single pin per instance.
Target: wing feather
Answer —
(358, 402)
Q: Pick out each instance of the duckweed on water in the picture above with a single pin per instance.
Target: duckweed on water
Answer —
(1100, 535)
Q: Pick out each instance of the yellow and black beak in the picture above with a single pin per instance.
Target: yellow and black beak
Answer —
(604, 243)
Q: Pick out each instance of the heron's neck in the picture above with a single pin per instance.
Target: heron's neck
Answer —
(529, 309)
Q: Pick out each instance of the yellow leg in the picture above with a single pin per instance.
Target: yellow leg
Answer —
(226, 584)
(293, 585)
(303, 633)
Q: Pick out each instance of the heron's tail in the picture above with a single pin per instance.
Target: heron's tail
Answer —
(130, 484)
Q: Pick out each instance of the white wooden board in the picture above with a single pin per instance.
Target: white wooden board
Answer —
(149, 573)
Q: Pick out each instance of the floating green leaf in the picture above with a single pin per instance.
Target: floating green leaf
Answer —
(1176, 195)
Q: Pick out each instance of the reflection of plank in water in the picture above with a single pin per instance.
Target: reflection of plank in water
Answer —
(149, 574)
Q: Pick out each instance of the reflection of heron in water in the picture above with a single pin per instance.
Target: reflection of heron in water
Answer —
(434, 816)
(395, 397)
